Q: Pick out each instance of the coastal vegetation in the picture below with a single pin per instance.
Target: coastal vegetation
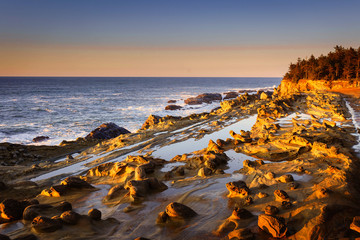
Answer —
(341, 64)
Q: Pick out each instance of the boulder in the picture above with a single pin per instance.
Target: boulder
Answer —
(275, 226)
(106, 131)
(55, 191)
(70, 217)
(269, 175)
(11, 209)
(44, 225)
(171, 101)
(76, 182)
(40, 138)
(271, 210)
(64, 206)
(230, 95)
(293, 185)
(162, 218)
(241, 213)
(32, 211)
(94, 214)
(286, 178)
(204, 172)
(152, 120)
(212, 146)
(172, 107)
(179, 210)
(263, 96)
(262, 195)
(281, 195)
(141, 188)
(203, 98)
(237, 189)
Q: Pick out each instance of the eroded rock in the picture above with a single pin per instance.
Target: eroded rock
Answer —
(281, 195)
(45, 225)
(237, 189)
(275, 226)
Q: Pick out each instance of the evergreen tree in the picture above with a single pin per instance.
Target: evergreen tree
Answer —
(341, 64)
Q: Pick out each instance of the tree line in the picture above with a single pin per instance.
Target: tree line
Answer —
(341, 64)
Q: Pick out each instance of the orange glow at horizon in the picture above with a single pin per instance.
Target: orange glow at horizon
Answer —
(34, 60)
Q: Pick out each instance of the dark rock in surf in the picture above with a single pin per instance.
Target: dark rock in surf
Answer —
(204, 98)
(106, 131)
(231, 95)
(172, 107)
(40, 138)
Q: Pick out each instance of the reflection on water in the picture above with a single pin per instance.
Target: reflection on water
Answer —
(191, 145)
(236, 160)
(301, 177)
(170, 166)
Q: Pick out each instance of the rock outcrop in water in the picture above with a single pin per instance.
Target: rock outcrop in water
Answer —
(203, 98)
(106, 131)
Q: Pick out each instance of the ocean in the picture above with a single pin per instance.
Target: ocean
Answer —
(65, 108)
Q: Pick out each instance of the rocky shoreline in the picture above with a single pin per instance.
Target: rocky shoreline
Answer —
(293, 174)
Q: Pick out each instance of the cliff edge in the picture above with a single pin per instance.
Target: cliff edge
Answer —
(303, 85)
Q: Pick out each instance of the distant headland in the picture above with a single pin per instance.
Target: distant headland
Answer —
(338, 71)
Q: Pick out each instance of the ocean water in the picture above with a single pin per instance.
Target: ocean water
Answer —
(64, 108)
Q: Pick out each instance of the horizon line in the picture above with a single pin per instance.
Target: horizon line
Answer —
(144, 76)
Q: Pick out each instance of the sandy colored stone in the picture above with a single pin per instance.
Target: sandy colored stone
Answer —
(275, 226)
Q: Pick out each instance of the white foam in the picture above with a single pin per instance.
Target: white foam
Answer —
(356, 125)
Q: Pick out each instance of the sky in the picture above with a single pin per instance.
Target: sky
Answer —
(187, 38)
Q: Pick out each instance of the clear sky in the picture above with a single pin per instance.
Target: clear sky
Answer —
(214, 38)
